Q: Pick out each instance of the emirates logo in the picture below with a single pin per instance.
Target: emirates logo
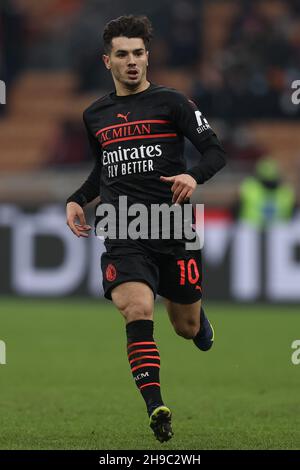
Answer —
(123, 116)
(111, 272)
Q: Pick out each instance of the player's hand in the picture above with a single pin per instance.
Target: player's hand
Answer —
(182, 188)
(74, 213)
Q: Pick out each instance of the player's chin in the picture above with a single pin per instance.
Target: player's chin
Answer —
(133, 84)
(132, 80)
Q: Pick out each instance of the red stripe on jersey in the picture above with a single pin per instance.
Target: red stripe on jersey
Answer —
(135, 137)
(148, 121)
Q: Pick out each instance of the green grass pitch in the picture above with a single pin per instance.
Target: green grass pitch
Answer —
(67, 383)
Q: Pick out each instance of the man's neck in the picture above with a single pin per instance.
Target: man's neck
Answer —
(123, 91)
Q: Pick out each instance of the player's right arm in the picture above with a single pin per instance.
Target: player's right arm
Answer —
(89, 191)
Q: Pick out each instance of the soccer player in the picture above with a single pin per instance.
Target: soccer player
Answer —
(136, 134)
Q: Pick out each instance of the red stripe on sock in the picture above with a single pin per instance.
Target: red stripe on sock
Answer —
(145, 365)
(147, 385)
(142, 350)
(142, 342)
(143, 357)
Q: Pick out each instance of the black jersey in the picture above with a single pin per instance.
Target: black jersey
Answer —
(137, 138)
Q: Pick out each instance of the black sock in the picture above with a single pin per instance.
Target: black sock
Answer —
(144, 360)
(198, 335)
(204, 338)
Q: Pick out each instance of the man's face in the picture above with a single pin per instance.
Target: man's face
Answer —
(127, 61)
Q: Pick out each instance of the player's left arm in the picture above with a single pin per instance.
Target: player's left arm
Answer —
(192, 124)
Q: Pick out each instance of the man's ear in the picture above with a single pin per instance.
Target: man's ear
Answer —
(106, 61)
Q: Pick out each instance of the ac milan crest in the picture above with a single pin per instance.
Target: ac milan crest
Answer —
(111, 272)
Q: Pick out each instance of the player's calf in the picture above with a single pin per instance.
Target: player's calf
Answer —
(144, 361)
(184, 318)
(190, 322)
(136, 302)
(187, 330)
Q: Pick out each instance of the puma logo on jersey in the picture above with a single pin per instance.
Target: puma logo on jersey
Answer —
(123, 116)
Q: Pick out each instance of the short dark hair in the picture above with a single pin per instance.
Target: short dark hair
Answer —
(129, 26)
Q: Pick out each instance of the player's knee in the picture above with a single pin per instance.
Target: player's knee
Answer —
(187, 330)
(137, 310)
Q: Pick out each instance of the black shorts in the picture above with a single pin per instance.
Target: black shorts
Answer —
(165, 265)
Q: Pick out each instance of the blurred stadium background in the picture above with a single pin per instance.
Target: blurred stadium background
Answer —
(237, 59)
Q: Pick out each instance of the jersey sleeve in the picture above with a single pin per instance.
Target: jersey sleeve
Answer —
(190, 122)
(90, 189)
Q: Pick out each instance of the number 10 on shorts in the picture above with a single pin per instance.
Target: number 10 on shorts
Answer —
(188, 270)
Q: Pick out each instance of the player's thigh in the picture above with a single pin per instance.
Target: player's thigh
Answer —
(185, 318)
(130, 280)
(135, 300)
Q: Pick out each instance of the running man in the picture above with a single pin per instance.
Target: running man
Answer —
(136, 134)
